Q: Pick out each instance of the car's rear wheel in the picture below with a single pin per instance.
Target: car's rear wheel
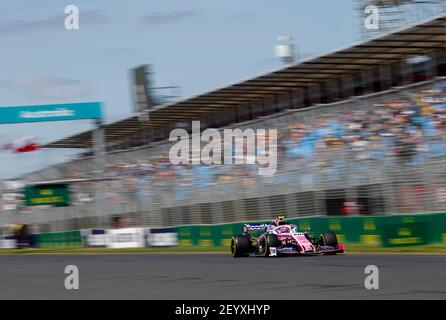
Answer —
(268, 242)
(329, 239)
(240, 246)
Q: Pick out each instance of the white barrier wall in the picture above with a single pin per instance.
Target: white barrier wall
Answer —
(8, 244)
(130, 237)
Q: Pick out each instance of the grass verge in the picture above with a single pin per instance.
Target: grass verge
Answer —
(350, 248)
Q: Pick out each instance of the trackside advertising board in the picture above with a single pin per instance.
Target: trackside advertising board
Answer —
(56, 195)
(162, 237)
(413, 234)
(130, 237)
(126, 238)
(52, 112)
(94, 238)
(6, 243)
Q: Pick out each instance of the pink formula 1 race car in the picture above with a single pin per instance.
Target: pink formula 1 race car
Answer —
(281, 238)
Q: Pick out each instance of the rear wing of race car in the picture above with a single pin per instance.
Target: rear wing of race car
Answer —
(254, 227)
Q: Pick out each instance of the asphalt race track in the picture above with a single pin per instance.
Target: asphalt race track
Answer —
(219, 276)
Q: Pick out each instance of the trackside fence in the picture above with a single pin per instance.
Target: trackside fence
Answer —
(383, 184)
(377, 231)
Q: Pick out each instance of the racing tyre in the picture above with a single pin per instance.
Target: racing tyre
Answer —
(328, 238)
(240, 246)
(270, 240)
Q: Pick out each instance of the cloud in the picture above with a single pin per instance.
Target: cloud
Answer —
(48, 87)
(168, 18)
(56, 22)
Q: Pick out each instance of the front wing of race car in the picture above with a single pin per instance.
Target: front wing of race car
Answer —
(332, 250)
(322, 250)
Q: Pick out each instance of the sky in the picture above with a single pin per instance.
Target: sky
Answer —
(197, 45)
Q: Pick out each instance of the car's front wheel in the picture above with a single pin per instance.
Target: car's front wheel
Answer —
(268, 242)
(240, 246)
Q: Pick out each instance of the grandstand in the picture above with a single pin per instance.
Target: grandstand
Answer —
(361, 132)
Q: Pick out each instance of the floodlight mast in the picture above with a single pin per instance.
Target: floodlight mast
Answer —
(285, 49)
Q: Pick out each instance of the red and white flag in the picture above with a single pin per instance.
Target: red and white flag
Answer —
(26, 144)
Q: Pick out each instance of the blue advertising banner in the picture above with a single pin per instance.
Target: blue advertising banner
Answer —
(52, 112)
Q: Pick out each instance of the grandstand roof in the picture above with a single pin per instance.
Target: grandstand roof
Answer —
(391, 3)
(418, 39)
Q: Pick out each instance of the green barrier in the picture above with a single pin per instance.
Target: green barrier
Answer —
(378, 231)
(58, 239)
(374, 231)
(405, 235)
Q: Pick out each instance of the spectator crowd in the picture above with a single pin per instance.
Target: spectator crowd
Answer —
(403, 128)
